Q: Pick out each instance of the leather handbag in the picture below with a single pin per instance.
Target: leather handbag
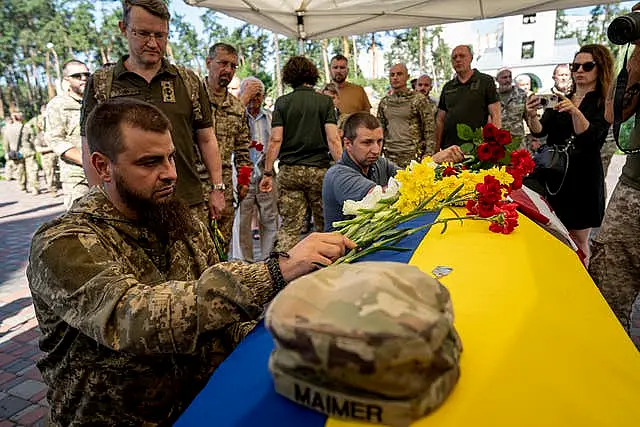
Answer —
(552, 162)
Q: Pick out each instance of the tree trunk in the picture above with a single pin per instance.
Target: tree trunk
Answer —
(276, 48)
(355, 57)
(325, 60)
(170, 53)
(27, 82)
(421, 50)
(51, 90)
(345, 46)
(1, 102)
(373, 55)
(103, 56)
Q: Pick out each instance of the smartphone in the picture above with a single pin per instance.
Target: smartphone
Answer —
(548, 100)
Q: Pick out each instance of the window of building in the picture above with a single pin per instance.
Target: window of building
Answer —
(527, 50)
(529, 19)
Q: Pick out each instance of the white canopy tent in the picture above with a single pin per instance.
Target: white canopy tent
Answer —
(320, 19)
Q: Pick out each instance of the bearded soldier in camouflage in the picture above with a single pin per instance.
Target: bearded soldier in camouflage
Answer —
(407, 119)
(232, 131)
(63, 131)
(134, 312)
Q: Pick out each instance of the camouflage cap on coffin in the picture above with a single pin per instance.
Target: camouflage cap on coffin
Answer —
(372, 341)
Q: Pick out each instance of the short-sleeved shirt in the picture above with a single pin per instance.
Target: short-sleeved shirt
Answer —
(168, 92)
(466, 103)
(345, 181)
(303, 114)
(353, 99)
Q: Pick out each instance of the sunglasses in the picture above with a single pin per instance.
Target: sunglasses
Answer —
(587, 66)
(80, 75)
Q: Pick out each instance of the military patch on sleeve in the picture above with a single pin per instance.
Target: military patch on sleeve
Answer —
(168, 91)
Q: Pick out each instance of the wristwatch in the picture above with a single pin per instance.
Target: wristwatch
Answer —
(219, 187)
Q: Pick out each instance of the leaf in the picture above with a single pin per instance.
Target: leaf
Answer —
(513, 145)
(468, 147)
(465, 132)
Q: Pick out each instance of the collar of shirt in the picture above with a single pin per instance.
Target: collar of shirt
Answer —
(347, 161)
(165, 67)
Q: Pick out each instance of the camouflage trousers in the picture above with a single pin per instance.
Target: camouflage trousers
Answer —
(400, 159)
(49, 165)
(225, 223)
(15, 169)
(299, 187)
(32, 171)
(615, 259)
(73, 190)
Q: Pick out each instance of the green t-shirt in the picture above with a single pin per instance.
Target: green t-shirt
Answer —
(303, 114)
(467, 103)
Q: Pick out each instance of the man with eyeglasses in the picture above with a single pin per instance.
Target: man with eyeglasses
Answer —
(147, 75)
(63, 131)
(232, 131)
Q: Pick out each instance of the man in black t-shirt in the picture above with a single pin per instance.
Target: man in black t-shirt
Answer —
(303, 133)
(470, 98)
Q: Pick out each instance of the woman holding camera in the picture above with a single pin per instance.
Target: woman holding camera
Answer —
(578, 198)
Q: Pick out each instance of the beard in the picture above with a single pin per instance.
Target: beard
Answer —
(169, 219)
(339, 78)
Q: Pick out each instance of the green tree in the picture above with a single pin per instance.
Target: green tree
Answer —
(562, 26)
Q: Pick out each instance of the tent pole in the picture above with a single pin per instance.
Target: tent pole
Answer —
(301, 34)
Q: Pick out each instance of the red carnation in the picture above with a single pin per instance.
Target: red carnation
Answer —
(517, 177)
(244, 175)
(521, 160)
(489, 191)
(449, 171)
(497, 152)
(506, 219)
(503, 137)
(484, 152)
(489, 132)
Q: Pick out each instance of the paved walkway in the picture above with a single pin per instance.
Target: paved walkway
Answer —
(22, 392)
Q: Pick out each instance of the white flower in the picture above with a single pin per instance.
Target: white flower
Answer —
(351, 207)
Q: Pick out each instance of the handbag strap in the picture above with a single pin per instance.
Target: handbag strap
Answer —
(618, 100)
(560, 151)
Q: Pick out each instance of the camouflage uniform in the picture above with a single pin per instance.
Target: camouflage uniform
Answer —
(232, 132)
(298, 188)
(408, 121)
(372, 341)
(615, 257)
(32, 135)
(48, 158)
(63, 133)
(512, 112)
(132, 328)
(11, 136)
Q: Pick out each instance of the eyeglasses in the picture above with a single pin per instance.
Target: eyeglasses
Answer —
(80, 76)
(225, 64)
(146, 36)
(586, 66)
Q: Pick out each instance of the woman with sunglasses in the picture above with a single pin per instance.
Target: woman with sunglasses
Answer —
(579, 117)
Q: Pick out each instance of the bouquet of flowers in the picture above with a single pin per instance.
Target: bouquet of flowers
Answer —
(482, 186)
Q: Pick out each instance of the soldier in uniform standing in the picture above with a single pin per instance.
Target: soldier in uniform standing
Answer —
(512, 104)
(63, 131)
(48, 158)
(232, 131)
(32, 135)
(12, 141)
(147, 75)
(407, 119)
(303, 132)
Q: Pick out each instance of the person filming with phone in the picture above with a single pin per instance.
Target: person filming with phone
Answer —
(569, 165)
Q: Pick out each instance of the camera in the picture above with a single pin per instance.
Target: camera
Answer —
(625, 29)
(548, 100)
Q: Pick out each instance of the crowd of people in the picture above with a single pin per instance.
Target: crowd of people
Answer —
(135, 307)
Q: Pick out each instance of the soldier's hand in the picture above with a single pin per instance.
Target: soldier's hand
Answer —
(216, 203)
(242, 191)
(316, 248)
(266, 184)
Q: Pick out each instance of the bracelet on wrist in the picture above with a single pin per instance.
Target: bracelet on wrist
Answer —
(273, 265)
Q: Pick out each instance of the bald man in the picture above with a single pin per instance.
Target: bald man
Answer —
(470, 98)
(512, 101)
(407, 119)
